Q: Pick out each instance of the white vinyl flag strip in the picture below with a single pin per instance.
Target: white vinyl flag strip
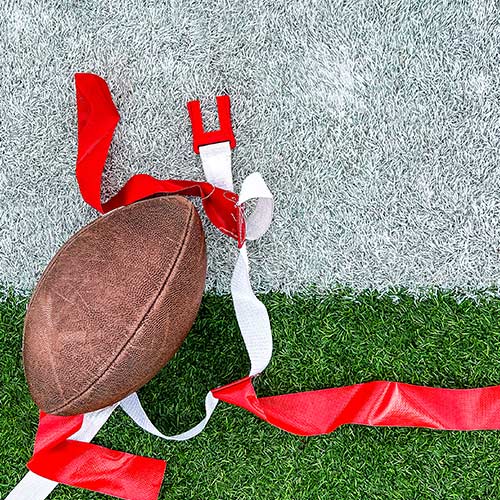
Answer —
(375, 124)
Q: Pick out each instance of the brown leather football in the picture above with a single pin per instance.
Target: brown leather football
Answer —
(114, 305)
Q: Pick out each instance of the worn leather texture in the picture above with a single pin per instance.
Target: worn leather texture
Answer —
(114, 305)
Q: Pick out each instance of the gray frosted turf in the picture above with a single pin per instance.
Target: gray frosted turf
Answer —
(375, 123)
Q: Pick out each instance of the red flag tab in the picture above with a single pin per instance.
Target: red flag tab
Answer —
(379, 403)
(85, 465)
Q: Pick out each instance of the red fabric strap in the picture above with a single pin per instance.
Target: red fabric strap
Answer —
(97, 120)
(379, 403)
(90, 466)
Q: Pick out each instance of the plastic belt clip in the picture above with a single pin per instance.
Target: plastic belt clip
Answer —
(225, 132)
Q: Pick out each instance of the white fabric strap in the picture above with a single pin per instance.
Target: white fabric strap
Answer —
(251, 313)
(35, 487)
(216, 161)
(258, 222)
(32, 487)
(252, 316)
(132, 406)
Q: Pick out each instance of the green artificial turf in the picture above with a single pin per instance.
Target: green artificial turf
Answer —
(320, 341)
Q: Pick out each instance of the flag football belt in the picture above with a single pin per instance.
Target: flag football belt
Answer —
(63, 452)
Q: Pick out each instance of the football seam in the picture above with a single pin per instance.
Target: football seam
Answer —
(141, 322)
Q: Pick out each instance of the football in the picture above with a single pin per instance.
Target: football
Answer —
(114, 305)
